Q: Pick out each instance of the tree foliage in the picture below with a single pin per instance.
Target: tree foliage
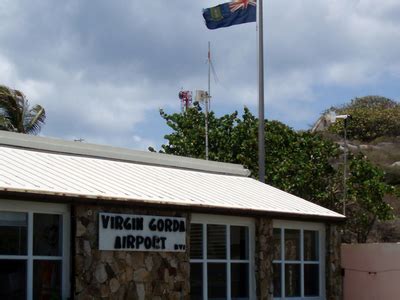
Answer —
(295, 162)
(302, 163)
(372, 117)
(366, 204)
(16, 114)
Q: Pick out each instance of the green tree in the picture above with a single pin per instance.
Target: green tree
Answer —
(365, 204)
(372, 117)
(295, 162)
(16, 114)
(302, 163)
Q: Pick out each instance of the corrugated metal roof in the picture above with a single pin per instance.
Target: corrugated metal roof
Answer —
(92, 150)
(41, 172)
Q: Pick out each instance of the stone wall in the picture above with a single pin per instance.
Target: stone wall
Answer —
(334, 280)
(263, 258)
(166, 275)
(123, 274)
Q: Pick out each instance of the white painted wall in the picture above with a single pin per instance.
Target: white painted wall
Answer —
(372, 271)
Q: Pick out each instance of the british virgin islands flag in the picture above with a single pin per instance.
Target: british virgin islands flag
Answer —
(231, 13)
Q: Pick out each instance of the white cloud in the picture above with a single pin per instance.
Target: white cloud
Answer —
(101, 70)
(7, 71)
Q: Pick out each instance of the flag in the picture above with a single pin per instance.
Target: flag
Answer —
(230, 13)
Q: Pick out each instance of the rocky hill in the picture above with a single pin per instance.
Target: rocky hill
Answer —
(383, 152)
(374, 130)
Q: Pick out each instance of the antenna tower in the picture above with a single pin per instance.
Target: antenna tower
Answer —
(205, 97)
(186, 100)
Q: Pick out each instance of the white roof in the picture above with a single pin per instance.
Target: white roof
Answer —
(31, 167)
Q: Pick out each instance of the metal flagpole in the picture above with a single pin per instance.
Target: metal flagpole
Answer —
(208, 98)
(261, 125)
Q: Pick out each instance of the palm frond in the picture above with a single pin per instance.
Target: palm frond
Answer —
(12, 105)
(15, 112)
(5, 124)
(35, 119)
(7, 101)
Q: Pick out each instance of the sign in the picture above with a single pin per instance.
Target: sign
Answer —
(123, 232)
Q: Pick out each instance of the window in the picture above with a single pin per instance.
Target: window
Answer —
(298, 260)
(221, 258)
(33, 251)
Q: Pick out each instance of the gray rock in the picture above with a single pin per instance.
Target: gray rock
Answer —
(114, 285)
(352, 147)
(140, 291)
(149, 263)
(86, 248)
(141, 275)
(385, 144)
(395, 164)
(80, 229)
(100, 273)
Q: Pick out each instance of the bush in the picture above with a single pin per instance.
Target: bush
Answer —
(372, 117)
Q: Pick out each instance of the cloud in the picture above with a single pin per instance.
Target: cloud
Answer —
(101, 70)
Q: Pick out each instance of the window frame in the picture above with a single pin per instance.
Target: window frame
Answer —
(31, 208)
(228, 221)
(302, 226)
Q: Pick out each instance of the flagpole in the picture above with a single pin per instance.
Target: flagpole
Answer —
(208, 97)
(261, 125)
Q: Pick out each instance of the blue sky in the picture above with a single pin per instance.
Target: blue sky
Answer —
(102, 69)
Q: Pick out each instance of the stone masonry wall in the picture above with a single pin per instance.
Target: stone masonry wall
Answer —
(334, 280)
(166, 275)
(125, 274)
(263, 258)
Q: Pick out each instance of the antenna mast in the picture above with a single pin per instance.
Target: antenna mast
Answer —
(205, 97)
(186, 100)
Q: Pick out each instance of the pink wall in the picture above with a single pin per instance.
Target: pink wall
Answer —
(372, 271)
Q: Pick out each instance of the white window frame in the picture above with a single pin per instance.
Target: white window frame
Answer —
(229, 221)
(320, 228)
(46, 208)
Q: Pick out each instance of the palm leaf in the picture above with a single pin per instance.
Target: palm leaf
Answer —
(16, 115)
(35, 119)
(5, 124)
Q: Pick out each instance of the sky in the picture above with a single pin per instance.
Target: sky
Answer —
(102, 69)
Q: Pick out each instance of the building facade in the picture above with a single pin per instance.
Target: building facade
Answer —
(80, 221)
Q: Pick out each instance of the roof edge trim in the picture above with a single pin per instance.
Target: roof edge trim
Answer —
(16, 193)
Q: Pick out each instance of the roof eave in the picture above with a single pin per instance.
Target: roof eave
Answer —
(210, 209)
